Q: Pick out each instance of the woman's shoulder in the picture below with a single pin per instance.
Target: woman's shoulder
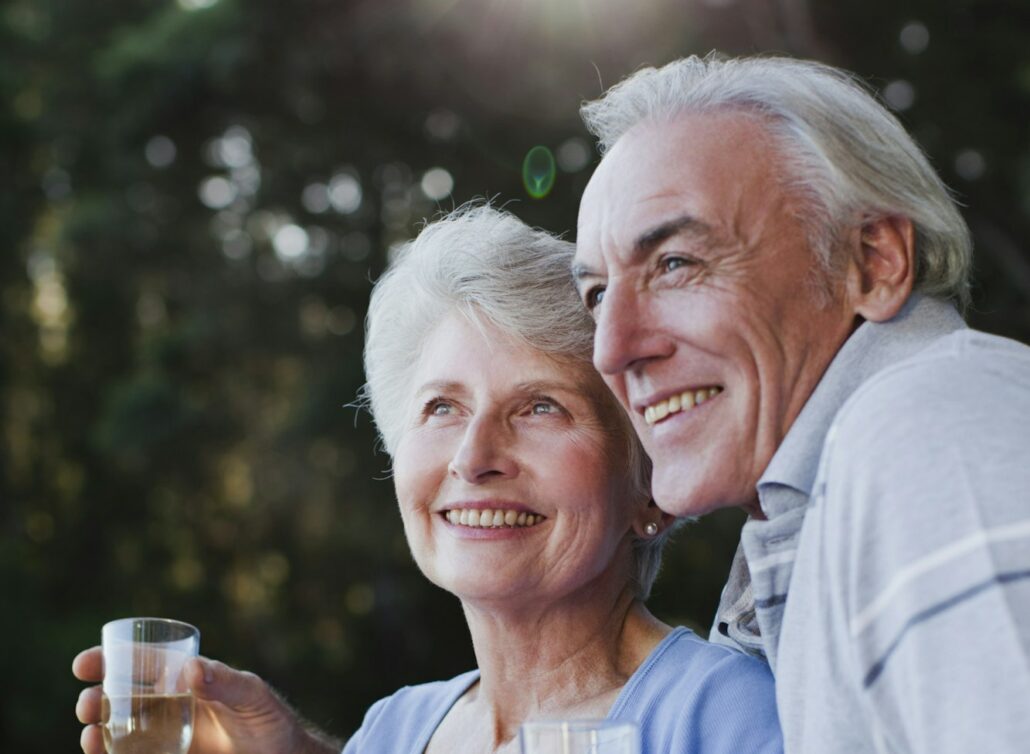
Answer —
(401, 721)
(694, 696)
(684, 658)
(426, 696)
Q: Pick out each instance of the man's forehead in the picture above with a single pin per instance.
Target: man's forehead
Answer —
(616, 225)
(697, 166)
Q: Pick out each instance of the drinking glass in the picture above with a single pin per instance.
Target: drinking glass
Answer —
(146, 706)
(579, 737)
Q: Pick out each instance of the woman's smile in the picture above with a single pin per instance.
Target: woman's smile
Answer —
(497, 514)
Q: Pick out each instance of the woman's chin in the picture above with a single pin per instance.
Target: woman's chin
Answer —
(488, 582)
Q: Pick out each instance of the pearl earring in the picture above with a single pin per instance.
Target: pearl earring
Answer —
(650, 528)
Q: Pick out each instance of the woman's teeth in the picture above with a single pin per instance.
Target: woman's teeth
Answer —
(682, 402)
(491, 519)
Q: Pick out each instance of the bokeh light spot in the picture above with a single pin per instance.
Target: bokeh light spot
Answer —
(192, 5)
(538, 172)
(341, 320)
(236, 244)
(573, 155)
(970, 164)
(235, 147)
(290, 242)
(345, 193)
(315, 198)
(150, 309)
(442, 125)
(900, 95)
(914, 37)
(160, 151)
(437, 184)
(216, 192)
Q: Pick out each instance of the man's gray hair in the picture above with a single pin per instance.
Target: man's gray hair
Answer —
(490, 267)
(849, 160)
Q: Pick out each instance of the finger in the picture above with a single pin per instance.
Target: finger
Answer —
(217, 682)
(92, 740)
(87, 709)
(89, 665)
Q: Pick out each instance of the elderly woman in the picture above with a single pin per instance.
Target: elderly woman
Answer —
(524, 492)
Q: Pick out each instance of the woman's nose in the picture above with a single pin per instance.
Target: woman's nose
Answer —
(485, 453)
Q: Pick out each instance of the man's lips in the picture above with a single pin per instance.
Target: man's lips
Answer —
(663, 408)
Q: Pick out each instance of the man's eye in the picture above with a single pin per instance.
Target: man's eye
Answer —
(594, 297)
(669, 264)
(541, 408)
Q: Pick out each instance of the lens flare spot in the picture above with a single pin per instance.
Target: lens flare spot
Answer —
(538, 172)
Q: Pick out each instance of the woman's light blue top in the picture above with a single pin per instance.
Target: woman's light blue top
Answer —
(688, 697)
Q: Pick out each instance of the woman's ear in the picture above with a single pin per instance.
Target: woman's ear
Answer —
(651, 521)
(881, 271)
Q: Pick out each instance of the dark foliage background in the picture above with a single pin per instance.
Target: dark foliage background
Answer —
(195, 197)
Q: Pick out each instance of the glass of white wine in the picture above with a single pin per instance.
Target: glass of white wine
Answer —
(147, 707)
(579, 737)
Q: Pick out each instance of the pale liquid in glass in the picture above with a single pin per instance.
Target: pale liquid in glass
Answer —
(147, 723)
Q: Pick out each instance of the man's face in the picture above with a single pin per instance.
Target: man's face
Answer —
(712, 328)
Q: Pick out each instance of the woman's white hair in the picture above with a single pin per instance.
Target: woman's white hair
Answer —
(489, 266)
(849, 160)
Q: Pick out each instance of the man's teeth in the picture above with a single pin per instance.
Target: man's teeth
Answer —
(492, 519)
(682, 402)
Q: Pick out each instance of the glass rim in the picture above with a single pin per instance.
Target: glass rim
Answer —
(190, 628)
(579, 724)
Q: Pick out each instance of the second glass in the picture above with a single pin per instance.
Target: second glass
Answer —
(579, 737)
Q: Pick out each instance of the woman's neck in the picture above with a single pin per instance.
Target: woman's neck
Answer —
(567, 660)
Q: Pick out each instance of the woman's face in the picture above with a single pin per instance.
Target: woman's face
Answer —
(510, 478)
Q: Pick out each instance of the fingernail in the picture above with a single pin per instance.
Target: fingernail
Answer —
(209, 675)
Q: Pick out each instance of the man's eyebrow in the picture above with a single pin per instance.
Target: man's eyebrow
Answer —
(657, 235)
(649, 239)
(580, 271)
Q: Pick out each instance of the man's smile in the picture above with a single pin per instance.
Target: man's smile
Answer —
(674, 404)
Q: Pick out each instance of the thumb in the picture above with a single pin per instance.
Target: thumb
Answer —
(215, 681)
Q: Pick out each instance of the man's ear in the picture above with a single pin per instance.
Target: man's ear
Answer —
(882, 268)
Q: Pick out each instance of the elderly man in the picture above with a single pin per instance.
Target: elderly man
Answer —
(774, 269)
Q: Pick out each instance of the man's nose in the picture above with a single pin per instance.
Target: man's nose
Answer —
(485, 453)
(625, 336)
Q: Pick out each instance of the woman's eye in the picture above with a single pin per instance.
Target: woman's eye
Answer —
(437, 407)
(594, 297)
(544, 407)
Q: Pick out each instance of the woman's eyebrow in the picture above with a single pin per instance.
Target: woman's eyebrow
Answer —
(549, 386)
(440, 386)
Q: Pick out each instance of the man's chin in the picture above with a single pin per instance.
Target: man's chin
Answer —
(683, 498)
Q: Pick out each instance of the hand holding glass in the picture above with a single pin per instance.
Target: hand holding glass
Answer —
(147, 708)
(579, 737)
